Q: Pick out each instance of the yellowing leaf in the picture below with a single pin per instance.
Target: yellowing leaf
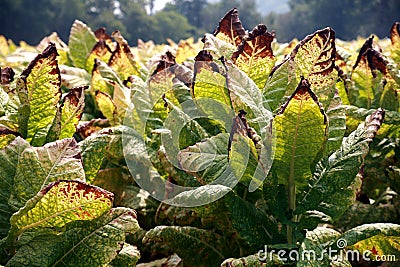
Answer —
(314, 57)
(60, 203)
(122, 59)
(300, 132)
(254, 56)
(186, 50)
(38, 166)
(209, 87)
(39, 92)
(230, 28)
(373, 86)
(71, 111)
(100, 51)
(395, 39)
(107, 106)
(6, 137)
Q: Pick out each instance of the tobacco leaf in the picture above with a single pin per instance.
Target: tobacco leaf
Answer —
(254, 55)
(39, 92)
(301, 126)
(230, 28)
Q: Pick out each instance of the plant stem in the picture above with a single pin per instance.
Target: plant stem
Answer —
(292, 206)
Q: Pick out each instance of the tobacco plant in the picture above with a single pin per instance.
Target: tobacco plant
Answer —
(225, 148)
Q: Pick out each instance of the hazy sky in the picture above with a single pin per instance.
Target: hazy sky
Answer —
(265, 6)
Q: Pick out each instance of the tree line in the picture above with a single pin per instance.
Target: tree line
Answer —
(30, 21)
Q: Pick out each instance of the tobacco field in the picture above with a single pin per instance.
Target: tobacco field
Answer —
(232, 150)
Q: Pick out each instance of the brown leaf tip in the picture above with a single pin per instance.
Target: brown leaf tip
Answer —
(101, 34)
(395, 33)
(167, 60)
(50, 53)
(230, 25)
(7, 75)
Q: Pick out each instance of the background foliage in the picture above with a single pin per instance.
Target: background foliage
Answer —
(25, 20)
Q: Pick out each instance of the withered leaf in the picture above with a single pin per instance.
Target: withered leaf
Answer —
(230, 28)
(254, 55)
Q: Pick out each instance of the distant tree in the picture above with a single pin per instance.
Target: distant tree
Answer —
(347, 17)
(32, 20)
(171, 25)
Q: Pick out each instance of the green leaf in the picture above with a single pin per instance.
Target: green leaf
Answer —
(373, 86)
(251, 224)
(210, 91)
(9, 159)
(122, 60)
(208, 160)
(254, 56)
(336, 124)
(243, 154)
(197, 247)
(38, 166)
(313, 248)
(254, 261)
(203, 194)
(94, 243)
(39, 92)
(281, 82)
(104, 78)
(340, 169)
(81, 42)
(300, 132)
(380, 239)
(315, 60)
(94, 150)
(128, 256)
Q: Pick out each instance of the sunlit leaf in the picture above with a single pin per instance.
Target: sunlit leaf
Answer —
(373, 85)
(107, 106)
(380, 239)
(186, 50)
(81, 42)
(100, 51)
(255, 56)
(38, 166)
(7, 136)
(71, 111)
(95, 243)
(230, 28)
(300, 132)
(210, 90)
(60, 203)
(313, 59)
(39, 92)
(395, 39)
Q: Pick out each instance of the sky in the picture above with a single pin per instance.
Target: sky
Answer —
(266, 6)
